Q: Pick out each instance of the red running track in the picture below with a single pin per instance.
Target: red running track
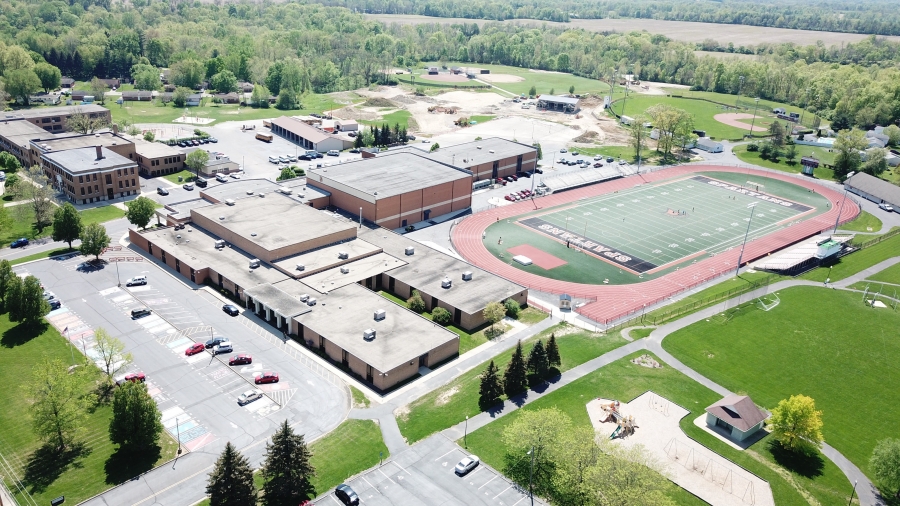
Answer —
(614, 302)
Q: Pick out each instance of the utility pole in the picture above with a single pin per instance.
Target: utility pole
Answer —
(466, 433)
(746, 234)
(754, 116)
(841, 210)
(531, 477)
(741, 85)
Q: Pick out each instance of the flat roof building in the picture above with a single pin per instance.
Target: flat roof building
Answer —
(396, 190)
(557, 103)
(490, 158)
(307, 136)
(53, 119)
(158, 159)
(16, 137)
(91, 174)
(872, 188)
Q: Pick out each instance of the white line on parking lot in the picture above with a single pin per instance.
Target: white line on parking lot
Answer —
(492, 479)
(401, 467)
(473, 472)
(386, 476)
(367, 481)
(444, 455)
(520, 500)
(501, 492)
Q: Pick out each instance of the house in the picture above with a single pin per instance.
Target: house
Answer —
(78, 95)
(346, 125)
(165, 97)
(43, 98)
(246, 87)
(137, 96)
(66, 83)
(111, 83)
(193, 100)
(709, 145)
(876, 138)
(228, 98)
(169, 87)
(737, 415)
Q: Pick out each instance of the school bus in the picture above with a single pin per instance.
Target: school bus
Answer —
(264, 137)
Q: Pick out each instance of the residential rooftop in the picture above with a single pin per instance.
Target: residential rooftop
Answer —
(342, 315)
(426, 267)
(82, 160)
(479, 152)
(387, 175)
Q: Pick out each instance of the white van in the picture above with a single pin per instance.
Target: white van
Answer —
(222, 178)
(274, 159)
(137, 280)
(333, 152)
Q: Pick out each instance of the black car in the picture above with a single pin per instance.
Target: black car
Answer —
(162, 191)
(304, 157)
(231, 309)
(215, 341)
(55, 304)
(539, 170)
(140, 313)
(346, 494)
(354, 151)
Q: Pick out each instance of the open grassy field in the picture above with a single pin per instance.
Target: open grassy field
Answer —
(352, 447)
(648, 156)
(401, 117)
(623, 380)
(837, 350)
(80, 473)
(855, 262)
(543, 81)
(865, 222)
(889, 275)
(157, 112)
(821, 153)
(451, 404)
(22, 220)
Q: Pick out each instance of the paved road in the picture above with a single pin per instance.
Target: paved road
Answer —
(115, 228)
(197, 395)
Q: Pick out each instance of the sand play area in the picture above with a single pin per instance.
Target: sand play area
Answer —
(652, 421)
(445, 77)
(733, 119)
(500, 78)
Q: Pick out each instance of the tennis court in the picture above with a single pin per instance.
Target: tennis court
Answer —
(651, 229)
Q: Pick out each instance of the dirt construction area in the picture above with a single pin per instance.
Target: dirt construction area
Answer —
(734, 119)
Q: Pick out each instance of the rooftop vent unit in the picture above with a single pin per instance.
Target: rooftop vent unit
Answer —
(380, 315)
(490, 151)
(343, 255)
(345, 270)
(254, 263)
(445, 283)
(410, 251)
(301, 195)
(477, 147)
(369, 334)
(311, 301)
(221, 218)
(301, 267)
(249, 192)
(262, 194)
(467, 276)
(287, 191)
(220, 244)
(229, 202)
(304, 297)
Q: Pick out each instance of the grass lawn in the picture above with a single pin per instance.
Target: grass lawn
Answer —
(40, 256)
(22, 219)
(625, 381)
(467, 340)
(889, 275)
(359, 399)
(648, 156)
(821, 153)
(480, 118)
(451, 404)
(857, 261)
(157, 112)
(47, 474)
(352, 447)
(837, 351)
(640, 333)
(865, 222)
(559, 82)
(401, 117)
(185, 175)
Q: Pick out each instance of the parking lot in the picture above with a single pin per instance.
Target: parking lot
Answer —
(197, 394)
(423, 474)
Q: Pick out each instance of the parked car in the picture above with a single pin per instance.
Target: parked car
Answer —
(354, 151)
(273, 159)
(885, 207)
(235, 175)
(137, 280)
(563, 150)
(135, 377)
(194, 349)
(19, 243)
(215, 341)
(410, 137)
(610, 159)
(465, 465)
(213, 140)
(223, 347)
(48, 295)
(598, 157)
(188, 186)
(55, 304)
(346, 495)
(162, 191)
(222, 178)
(231, 309)
(305, 157)
(574, 153)
(292, 158)
(539, 170)
(622, 162)
(507, 197)
(241, 359)
(249, 396)
(266, 377)
(140, 313)
(334, 152)
(598, 164)
(503, 182)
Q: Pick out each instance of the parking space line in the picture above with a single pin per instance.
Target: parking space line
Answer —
(401, 467)
(475, 471)
(386, 476)
(367, 481)
(444, 455)
(501, 492)
(520, 500)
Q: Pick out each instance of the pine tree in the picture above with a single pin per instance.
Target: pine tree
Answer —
(537, 361)
(376, 136)
(491, 389)
(231, 480)
(515, 379)
(287, 471)
(553, 357)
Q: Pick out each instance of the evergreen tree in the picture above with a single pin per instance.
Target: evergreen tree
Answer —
(376, 136)
(553, 357)
(231, 480)
(6, 277)
(287, 470)
(491, 389)
(404, 136)
(515, 378)
(358, 141)
(537, 361)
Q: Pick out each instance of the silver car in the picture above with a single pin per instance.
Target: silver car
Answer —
(467, 464)
(249, 396)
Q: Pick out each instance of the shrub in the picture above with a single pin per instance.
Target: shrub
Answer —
(440, 316)
(415, 302)
(512, 308)
(752, 147)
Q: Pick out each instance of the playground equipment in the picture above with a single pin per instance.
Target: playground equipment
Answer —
(624, 424)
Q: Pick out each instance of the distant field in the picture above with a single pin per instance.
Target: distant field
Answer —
(544, 82)
(678, 30)
(727, 56)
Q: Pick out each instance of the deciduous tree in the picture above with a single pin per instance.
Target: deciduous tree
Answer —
(112, 356)
(98, 89)
(515, 378)
(876, 161)
(286, 173)
(40, 195)
(136, 421)
(59, 402)
(287, 471)
(491, 389)
(21, 83)
(6, 277)
(231, 480)
(885, 462)
(493, 313)
(84, 124)
(140, 211)
(49, 76)
(441, 316)
(848, 145)
(796, 423)
(260, 96)
(67, 224)
(94, 240)
(188, 73)
(415, 302)
(533, 437)
(223, 82)
(196, 160)
(639, 135)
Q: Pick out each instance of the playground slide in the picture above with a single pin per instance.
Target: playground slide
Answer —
(613, 435)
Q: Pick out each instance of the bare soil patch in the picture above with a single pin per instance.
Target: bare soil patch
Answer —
(378, 102)
(501, 78)
(587, 137)
(732, 119)
(445, 78)
(446, 395)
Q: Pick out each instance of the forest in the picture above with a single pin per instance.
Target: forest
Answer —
(295, 48)
(878, 17)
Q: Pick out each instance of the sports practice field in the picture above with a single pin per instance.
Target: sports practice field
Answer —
(652, 229)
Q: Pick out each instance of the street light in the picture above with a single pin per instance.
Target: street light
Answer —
(841, 210)
(466, 433)
(741, 256)
(531, 476)
(741, 85)
(754, 116)
(805, 105)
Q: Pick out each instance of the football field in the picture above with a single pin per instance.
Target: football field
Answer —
(652, 228)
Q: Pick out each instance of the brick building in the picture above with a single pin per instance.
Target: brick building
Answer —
(89, 175)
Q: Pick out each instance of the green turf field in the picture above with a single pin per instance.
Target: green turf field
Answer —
(823, 343)
(639, 234)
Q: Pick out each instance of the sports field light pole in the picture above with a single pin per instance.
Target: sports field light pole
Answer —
(741, 256)
(841, 210)
(754, 116)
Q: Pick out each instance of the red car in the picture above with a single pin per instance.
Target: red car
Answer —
(241, 359)
(508, 198)
(135, 377)
(194, 349)
(267, 377)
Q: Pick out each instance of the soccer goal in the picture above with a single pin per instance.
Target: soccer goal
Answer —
(768, 302)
